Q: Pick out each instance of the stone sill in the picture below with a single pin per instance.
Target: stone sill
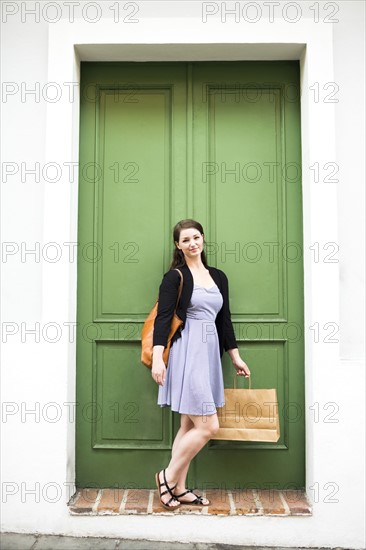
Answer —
(248, 502)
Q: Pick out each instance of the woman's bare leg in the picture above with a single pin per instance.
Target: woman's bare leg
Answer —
(186, 424)
(187, 446)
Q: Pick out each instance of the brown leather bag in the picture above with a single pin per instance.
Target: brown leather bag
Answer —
(148, 330)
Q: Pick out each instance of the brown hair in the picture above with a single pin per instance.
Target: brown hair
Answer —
(178, 256)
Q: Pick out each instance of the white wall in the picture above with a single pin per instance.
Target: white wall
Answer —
(349, 62)
(39, 290)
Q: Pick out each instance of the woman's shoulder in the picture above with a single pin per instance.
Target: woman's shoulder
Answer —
(219, 272)
(172, 275)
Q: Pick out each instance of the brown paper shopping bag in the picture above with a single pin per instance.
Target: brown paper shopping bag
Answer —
(249, 415)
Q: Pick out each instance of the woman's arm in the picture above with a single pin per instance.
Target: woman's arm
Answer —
(168, 294)
(229, 340)
(230, 344)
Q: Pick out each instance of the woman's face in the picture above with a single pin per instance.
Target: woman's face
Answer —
(190, 242)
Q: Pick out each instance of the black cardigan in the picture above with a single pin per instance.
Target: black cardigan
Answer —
(168, 294)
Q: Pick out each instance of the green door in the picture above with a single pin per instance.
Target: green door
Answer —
(159, 142)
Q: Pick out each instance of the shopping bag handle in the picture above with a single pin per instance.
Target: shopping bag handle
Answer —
(249, 378)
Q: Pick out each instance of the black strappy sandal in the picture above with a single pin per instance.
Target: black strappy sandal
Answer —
(196, 502)
(169, 490)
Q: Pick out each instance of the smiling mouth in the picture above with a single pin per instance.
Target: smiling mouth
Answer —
(194, 249)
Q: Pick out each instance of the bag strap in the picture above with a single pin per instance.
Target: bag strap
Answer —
(180, 287)
(249, 378)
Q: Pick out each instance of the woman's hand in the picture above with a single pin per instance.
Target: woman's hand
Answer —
(240, 366)
(158, 370)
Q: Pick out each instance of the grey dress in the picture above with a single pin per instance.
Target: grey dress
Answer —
(194, 380)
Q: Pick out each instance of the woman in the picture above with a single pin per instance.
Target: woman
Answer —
(192, 384)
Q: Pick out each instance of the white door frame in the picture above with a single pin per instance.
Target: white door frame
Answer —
(170, 40)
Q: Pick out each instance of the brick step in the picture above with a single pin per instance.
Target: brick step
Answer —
(250, 502)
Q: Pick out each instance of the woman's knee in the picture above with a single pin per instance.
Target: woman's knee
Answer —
(207, 425)
(216, 426)
(210, 425)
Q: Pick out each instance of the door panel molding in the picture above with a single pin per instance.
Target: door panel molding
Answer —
(141, 124)
(122, 420)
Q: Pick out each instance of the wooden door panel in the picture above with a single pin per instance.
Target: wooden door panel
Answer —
(247, 163)
(135, 157)
(244, 144)
(126, 204)
(123, 419)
